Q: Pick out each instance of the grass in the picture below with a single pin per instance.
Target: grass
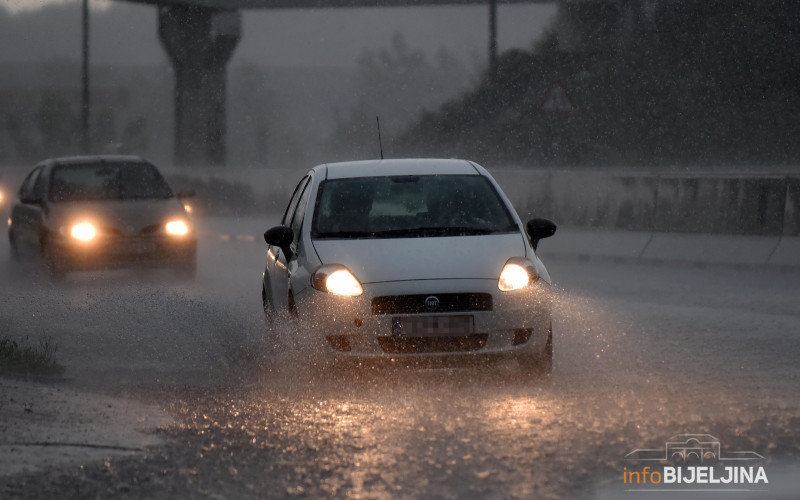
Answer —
(21, 357)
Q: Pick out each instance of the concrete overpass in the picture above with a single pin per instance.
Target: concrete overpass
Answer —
(200, 36)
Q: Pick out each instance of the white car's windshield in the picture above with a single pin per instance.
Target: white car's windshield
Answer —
(409, 206)
(86, 182)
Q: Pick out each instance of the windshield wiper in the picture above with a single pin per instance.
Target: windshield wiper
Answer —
(343, 235)
(442, 231)
(416, 232)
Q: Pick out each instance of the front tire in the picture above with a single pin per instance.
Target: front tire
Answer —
(13, 246)
(187, 270)
(540, 365)
(269, 311)
(56, 269)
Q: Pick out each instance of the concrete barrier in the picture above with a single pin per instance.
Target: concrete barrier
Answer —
(585, 198)
(787, 253)
(735, 219)
(711, 248)
(587, 243)
(748, 219)
(791, 214)
(721, 205)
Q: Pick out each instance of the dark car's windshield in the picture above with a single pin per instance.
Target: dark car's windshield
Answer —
(111, 181)
(409, 206)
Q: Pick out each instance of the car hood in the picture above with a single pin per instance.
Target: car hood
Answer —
(393, 259)
(126, 216)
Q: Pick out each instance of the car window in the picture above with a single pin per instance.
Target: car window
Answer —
(290, 208)
(26, 190)
(300, 210)
(116, 181)
(39, 187)
(409, 206)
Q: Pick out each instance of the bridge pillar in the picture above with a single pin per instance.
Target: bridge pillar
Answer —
(199, 41)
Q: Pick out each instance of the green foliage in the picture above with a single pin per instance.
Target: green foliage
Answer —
(397, 84)
(20, 357)
(712, 82)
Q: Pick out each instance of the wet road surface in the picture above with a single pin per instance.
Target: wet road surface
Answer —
(642, 353)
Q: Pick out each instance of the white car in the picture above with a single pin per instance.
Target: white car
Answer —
(389, 259)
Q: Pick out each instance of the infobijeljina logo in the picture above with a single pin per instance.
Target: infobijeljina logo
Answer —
(694, 462)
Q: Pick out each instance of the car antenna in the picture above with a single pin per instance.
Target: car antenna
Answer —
(380, 144)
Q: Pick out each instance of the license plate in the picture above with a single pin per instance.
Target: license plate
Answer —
(432, 326)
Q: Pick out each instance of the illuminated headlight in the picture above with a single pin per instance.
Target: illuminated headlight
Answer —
(336, 279)
(1, 197)
(177, 228)
(516, 274)
(84, 231)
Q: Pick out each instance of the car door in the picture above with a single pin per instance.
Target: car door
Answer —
(277, 272)
(298, 265)
(27, 215)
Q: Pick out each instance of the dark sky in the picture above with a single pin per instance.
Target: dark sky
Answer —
(125, 34)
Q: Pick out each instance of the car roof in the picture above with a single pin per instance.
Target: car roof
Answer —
(411, 166)
(75, 160)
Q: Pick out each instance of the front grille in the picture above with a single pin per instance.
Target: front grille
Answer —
(339, 342)
(110, 232)
(521, 336)
(416, 345)
(448, 302)
(151, 229)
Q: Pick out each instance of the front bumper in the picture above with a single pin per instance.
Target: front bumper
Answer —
(109, 253)
(516, 323)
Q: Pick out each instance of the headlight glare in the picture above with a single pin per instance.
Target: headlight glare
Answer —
(337, 280)
(516, 274)
(84, 231)
(177, 228)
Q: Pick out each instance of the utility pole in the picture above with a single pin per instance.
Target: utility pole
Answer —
(492, 39)
(85, 139)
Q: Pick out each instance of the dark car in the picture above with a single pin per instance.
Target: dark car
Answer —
(96, 212)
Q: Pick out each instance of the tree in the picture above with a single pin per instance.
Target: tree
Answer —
(396, 83)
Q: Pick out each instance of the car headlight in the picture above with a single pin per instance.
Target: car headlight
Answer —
(83, 231)
(177, 228)
(517, 273)
(336, 279)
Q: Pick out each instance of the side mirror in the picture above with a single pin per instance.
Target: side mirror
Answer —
(186, 193)
(30, 200)
(539, 229)
(281, 237)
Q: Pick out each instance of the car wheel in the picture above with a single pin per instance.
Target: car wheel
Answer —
(540, 365)
(269, 311)
(13, 246)
(187, 270)
(56, 270)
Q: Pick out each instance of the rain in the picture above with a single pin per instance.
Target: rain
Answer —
(660, 136)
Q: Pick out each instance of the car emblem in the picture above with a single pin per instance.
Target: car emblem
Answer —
(432, 303)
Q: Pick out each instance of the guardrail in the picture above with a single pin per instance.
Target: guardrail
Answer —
(754, 217)
(765, 205)
(715, 218)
